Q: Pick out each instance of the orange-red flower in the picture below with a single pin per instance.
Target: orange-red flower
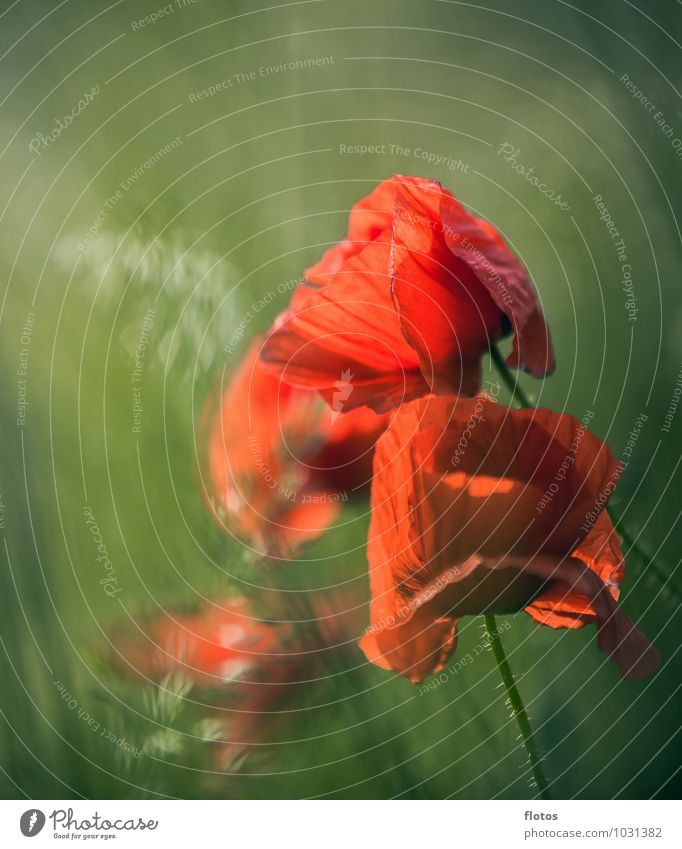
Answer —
(222, 643)
(243, 666)
(408, 303)
(477, 508)
(240, 672)
(280, 464)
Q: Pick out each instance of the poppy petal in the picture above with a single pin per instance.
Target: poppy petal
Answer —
(347, 328)
(369, 220)
(418, 647)
(277, 464)
(446, 314)
(617, 634)
(425, 206)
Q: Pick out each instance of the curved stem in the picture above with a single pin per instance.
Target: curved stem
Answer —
(517, 707)
(508, 379)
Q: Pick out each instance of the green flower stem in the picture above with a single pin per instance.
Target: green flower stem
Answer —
(508, 378)
(513, 694)
(520, 398)
(517, 707)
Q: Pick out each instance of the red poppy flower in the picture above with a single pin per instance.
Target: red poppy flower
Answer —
(243, 673)
(408, 303)
(280, 465)
(243, 666)
(221, 643)
(477, 508)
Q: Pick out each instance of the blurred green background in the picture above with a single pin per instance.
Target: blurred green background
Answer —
(228, 195)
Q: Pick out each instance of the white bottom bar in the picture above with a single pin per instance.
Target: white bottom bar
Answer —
(332, 824)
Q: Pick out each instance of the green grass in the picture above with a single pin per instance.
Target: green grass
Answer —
(242, 205)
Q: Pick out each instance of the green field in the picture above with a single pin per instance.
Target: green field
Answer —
(216, 156)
